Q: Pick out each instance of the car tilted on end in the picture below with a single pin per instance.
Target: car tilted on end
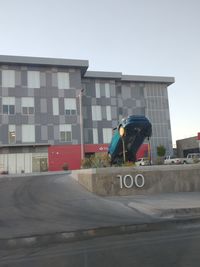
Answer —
(130, 134)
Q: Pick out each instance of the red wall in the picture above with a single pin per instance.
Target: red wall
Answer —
(90, 148)
(58, 155)
(71, 154)
(143, 151)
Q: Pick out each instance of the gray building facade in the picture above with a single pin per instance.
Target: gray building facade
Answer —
(188, 145)
(116, 96)
(40, 106)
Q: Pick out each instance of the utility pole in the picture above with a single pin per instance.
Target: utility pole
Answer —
(81, 122)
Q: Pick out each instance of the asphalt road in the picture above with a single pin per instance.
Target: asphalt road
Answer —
(56, 203)
(151, 249)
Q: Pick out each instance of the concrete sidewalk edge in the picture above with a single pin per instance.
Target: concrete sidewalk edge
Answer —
(67, 237)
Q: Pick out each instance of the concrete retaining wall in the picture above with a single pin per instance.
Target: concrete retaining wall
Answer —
(121, 181)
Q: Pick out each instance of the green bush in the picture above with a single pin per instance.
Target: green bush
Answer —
(161, 150)
(97, 161)
(128, 164)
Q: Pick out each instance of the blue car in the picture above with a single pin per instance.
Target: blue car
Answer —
(129, 136)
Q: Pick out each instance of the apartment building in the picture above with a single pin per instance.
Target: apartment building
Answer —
(55, 111)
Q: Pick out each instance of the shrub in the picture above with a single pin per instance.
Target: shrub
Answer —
(97, 161)
(128, 164)
(65, 167)
(161, 150)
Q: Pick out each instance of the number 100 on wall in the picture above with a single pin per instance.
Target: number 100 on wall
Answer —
(128, 181)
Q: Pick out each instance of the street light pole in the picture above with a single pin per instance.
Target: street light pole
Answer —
(81, 123)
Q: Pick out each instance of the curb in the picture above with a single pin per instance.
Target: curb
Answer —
(33, 174)
(67, 237)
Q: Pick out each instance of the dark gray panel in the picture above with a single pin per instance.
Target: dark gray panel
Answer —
(38, 134)
(37, 105)
(103, 112)
(61, 107)
(4, 91)
(56, 133)
(128, 103)
(24, 78)
(76, 132)
(90, 136)
(31, 119)
(43, 105)
(18, 118)
(137, 91)
(48, 80)
(85, 135)
(50, 133)
(31, 92)
(4, 134)
(44, 92)
(75, 79)
(52, 92)
(113, 101)
(86, 101)
(53, 119)
(104, 101)
(104, 124)
(54, 80)
(114, 112)
(71, 119)
(70, 93)
(62, 119)
(90, 88)
(87, 123)
(18, 78)
(43, 79)
(43, 119)
(18, 134)
(24, 119)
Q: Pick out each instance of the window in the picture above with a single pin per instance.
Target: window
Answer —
(108, 113)
(28, 133)
(66, 132)
(63, 80)
(95, 135)
(27, 105)
(55, 106)
(107, 90)
(107, 135)
(8, 78)
(96, 113)
(97, 89)
(70, 106)
(8, 105)
(11, 134)
(33, 79)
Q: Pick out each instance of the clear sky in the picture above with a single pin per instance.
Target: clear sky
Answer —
(139, 37)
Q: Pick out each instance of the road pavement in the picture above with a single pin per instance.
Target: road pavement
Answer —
(43, 209)
(174, 248)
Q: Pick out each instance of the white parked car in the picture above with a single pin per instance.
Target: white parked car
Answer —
(192, 158)
(142, 162)
(172, 160)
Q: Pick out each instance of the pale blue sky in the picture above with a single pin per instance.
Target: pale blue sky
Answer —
(139, 37)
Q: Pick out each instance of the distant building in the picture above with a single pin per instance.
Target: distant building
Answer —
(44, 101)
(188, 145)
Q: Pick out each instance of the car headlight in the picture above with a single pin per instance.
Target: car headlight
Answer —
(121, 131)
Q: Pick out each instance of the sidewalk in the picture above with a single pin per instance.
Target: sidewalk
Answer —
(171, 205)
